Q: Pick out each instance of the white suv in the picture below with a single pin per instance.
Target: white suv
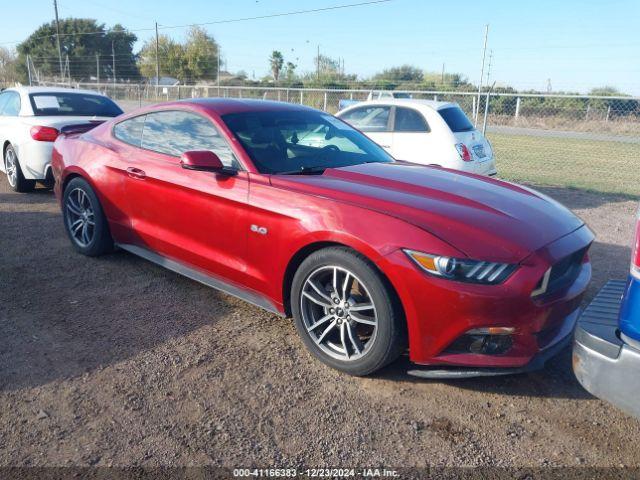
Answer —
(30, 121)
(424, 131)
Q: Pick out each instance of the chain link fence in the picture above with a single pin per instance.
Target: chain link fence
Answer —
(571, 140)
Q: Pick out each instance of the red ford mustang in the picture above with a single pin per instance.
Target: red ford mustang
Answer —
(295, 211)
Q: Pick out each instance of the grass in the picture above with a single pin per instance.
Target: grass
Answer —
(600, 166)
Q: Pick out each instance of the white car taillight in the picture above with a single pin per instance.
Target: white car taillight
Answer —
(464, 152)
(44, 134)
(635, 258)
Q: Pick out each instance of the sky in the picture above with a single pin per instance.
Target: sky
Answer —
(574, 45)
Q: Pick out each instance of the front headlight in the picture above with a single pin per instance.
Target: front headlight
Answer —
(462, 269)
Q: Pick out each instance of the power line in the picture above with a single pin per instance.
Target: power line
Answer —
(230, 20)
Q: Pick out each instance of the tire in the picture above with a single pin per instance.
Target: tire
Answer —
(15, 177)
(355, 339)
(84, 219)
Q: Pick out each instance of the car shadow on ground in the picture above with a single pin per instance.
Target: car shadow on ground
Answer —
(555, 380)
(39, 195)
(63, 314)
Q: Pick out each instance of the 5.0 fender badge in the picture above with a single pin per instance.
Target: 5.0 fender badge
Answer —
(260, 230)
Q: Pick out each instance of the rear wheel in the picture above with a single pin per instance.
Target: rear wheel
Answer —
(14, 173)
(345, 312)
(84, 219)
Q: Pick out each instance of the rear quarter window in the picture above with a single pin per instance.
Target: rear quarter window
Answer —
(456, 119)
(130, 131)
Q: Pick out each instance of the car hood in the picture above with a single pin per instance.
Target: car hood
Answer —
(482, 217)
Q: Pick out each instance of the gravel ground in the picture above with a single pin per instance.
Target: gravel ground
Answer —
(114, 361)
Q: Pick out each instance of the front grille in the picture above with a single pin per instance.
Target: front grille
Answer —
(561, 274)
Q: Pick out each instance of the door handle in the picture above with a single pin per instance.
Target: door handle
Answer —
(136, 173)
(385, 146)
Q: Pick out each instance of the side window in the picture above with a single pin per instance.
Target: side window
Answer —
(369, 119)
(410, 120)
(4, 98)
(176, 132)
(12, 106)
(130, 131)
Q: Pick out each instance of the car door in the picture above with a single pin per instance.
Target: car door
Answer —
(374, 121)
(9, 121)
(197, 218)
(411, 136)
(4, 97)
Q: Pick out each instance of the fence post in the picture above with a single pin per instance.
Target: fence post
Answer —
(608, 113)
(586, 115)
(473, 107)
(325, 101)
(517, 107)
(279, 95)
(301, 97)
(486, 114)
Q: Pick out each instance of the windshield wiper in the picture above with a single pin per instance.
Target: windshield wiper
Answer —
(305, 171)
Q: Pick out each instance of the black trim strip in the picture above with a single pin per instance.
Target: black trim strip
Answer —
(206, 279)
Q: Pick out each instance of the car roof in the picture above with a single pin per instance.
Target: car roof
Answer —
(223, 106)
(28, 90)
(408, 102)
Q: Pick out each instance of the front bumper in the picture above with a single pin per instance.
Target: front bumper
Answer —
(606, 366)
(440, 311)
(538, 362)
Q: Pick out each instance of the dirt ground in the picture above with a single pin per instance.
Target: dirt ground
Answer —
(115, 361)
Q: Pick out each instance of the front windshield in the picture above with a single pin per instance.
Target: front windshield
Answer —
(299, 141)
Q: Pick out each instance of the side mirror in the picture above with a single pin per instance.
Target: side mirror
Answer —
(205, 161)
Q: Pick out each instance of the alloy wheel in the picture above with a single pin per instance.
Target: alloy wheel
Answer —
(80, 217)
(11, 167)
(338, 313)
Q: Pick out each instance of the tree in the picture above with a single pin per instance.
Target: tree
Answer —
(173, 61)
(80, 39)
(327, 66)
(276, 61)
(8, 67)
(122, 43)
(201, 51)
(290, 71)
(404, 73)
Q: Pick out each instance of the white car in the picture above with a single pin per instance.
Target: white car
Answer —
(424, 131)
(30, 121)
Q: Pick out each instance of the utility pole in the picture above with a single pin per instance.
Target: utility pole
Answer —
(55, 7)
(113, 55)
(484, 54)
(67, 69)
(218, 75)
(98, 69)
(29, 68)
(489, 66)
(157, 59)
(442, 76)
(318, 64)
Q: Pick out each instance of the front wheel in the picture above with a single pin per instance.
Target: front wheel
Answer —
(346, 312)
